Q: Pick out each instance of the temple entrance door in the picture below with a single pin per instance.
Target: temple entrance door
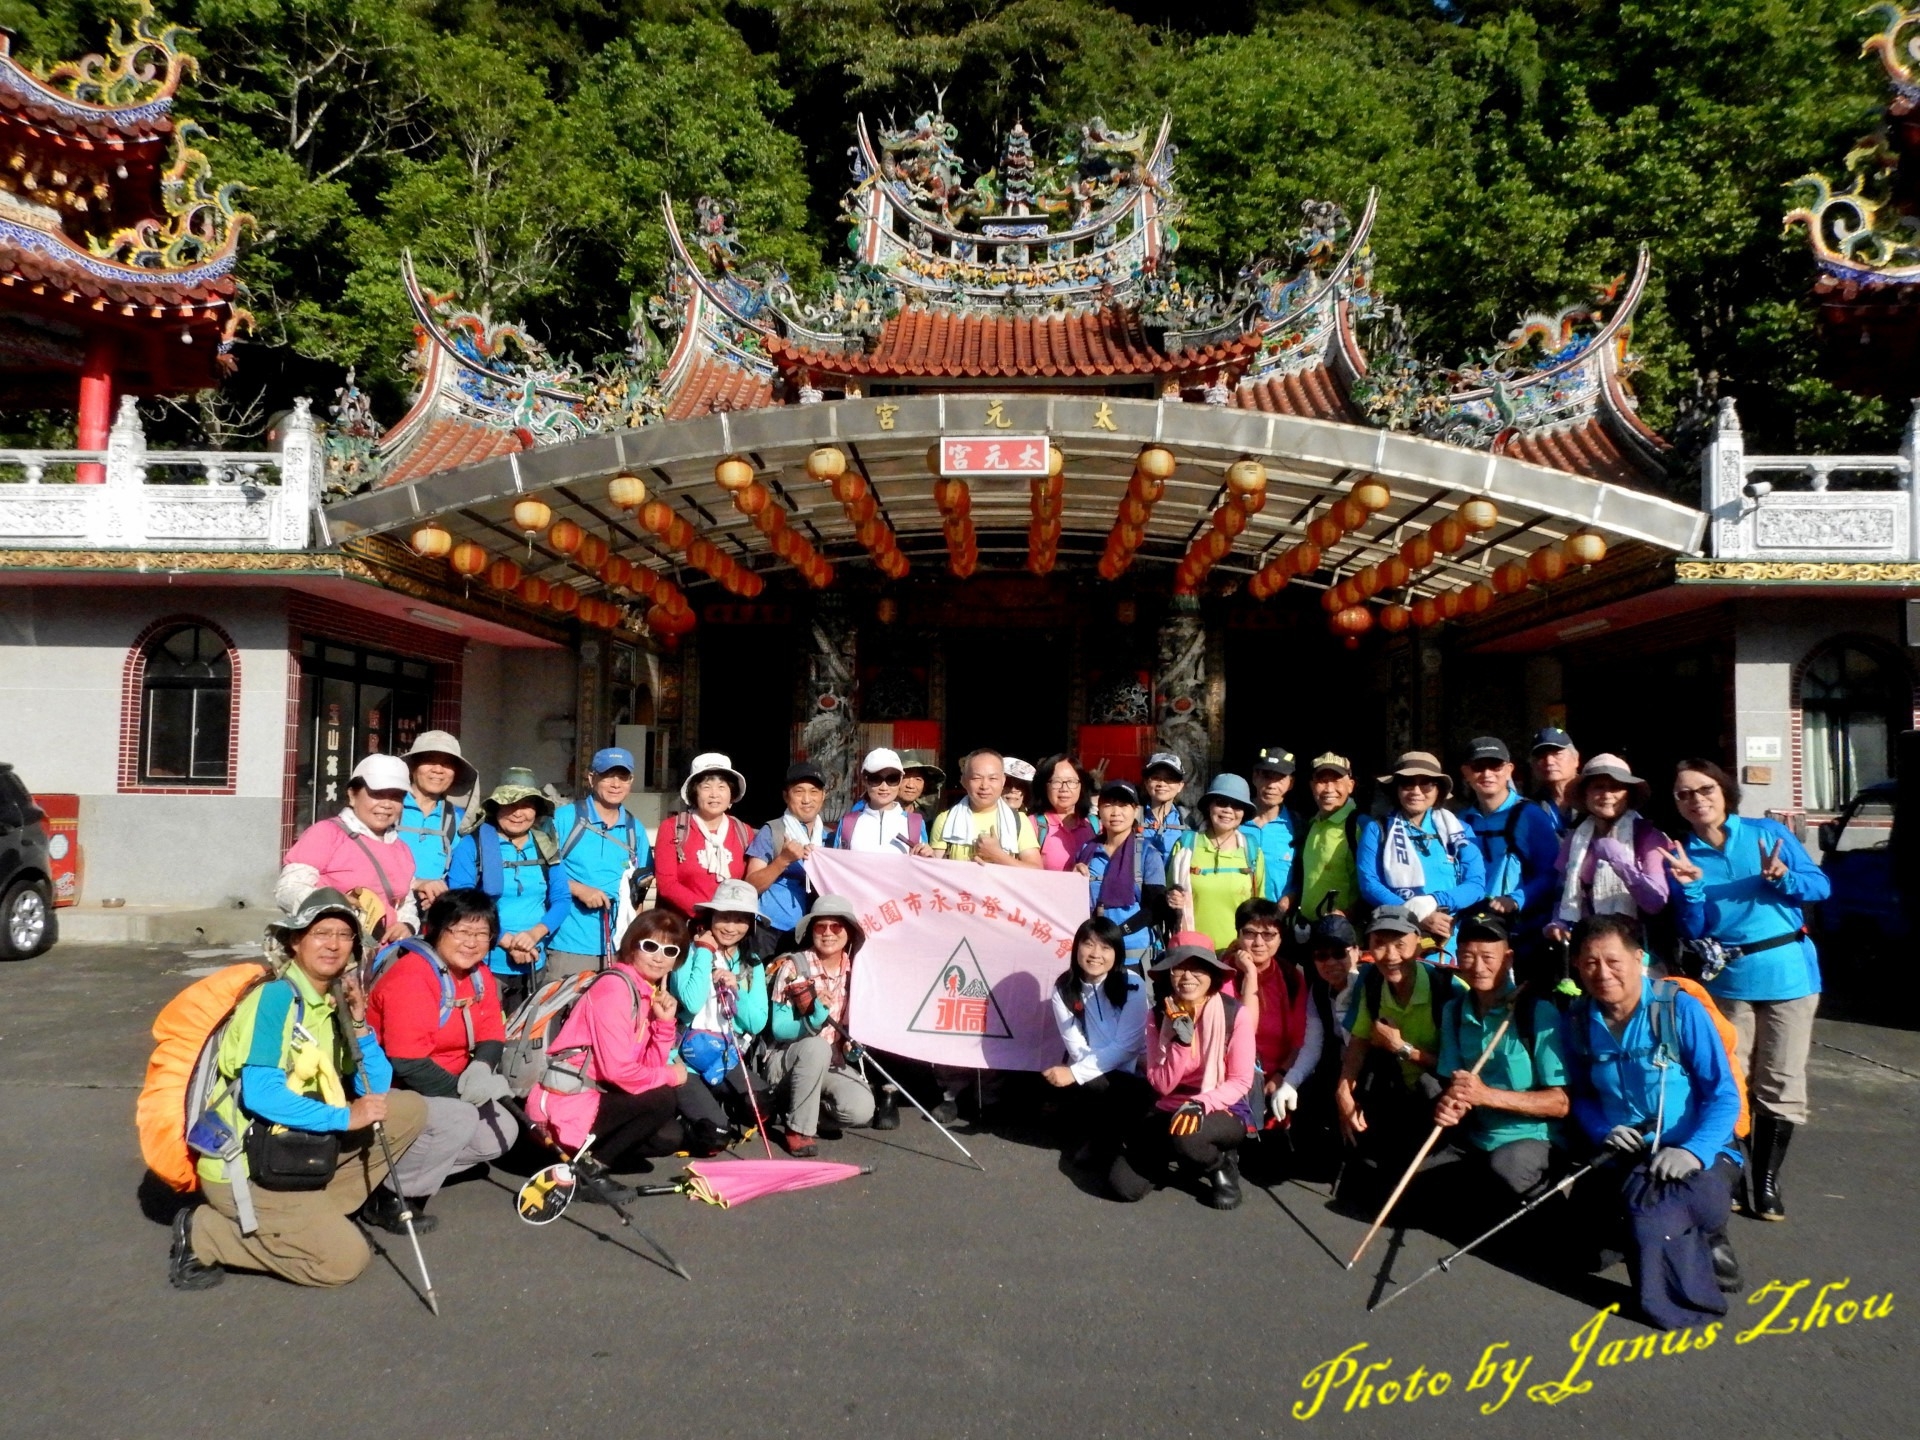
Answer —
(1007, 690)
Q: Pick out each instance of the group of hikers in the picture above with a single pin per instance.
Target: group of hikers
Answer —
(1486, 992)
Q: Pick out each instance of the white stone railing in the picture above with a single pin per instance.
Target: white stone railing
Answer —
(164, 499)
(1809, 507)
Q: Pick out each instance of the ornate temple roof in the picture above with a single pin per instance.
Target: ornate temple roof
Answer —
(110, 222)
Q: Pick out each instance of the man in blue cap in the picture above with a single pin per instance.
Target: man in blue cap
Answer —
(602, 848)
(1556, 766)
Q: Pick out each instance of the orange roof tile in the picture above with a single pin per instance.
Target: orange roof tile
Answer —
(1583, 449)
(1312, 392)
(713, 384)
(921, 342)
(447, 443)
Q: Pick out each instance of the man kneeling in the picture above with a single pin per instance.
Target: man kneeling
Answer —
(311, 1156)
(1650, 1080)
(1497, 1120)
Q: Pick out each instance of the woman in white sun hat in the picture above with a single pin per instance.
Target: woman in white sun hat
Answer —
(704, 844)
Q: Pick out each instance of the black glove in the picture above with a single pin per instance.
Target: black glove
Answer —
(1182, 1028)
(1625, 1139)
(1675, 1162)
(1186, 1120)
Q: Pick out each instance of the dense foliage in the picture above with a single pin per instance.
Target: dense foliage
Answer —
(1523, 151)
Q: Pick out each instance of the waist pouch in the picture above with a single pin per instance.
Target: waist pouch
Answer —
(708, 1054)
(279, 1159)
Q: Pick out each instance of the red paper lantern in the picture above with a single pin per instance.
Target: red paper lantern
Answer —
(1449, 535)
(1479, 597)
(1426, 613)
(679, 532)
(430, 542)
(1395, 618)
(702, 556)
(1330, 600)
(1230, 520)
(1352, 621)
(617, 572)
(467, 559)
(1368, 582)
(1451, 602)
(1417, 553)
(1394, 573)
(565, 536)
(1306, 558)
(752, 500)
(1146, 489)
(1547, 564)
(1324, 531)
(1214, 546)
(861, 509)
(656, 517)
(771, 521)
(1510, 578)
(952, 497)
(868, 533)
(503, 574)
(593, 552)
(564, 598)
(1350, 513)
(533, 590)
(783, 542)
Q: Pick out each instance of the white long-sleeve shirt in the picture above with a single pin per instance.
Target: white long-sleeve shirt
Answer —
(1315, 1040)
(1110, 1039)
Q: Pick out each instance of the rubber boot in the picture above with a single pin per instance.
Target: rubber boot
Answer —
(886, 1108)
(1220, 1186)
(1771, 1136)
(1726, 1265)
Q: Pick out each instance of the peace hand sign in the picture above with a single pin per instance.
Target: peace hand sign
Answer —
(1772, 868)
(1678, 865)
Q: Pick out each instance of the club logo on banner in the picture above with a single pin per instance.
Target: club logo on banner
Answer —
(960, 959)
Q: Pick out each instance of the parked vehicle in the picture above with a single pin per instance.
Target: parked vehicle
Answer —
(27, 923)
(1864, 915)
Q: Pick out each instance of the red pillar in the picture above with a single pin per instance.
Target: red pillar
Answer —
(96, 403)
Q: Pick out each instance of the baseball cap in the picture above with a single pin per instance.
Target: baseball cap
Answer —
(1120, 790)
(878, 762)
(383, 772)
(1483, 925)
(804, 772)
(1552, 738)
(1330, 931)
(1327, 760)
(1487, 747)
(1276, 758)
(1393, 920)
(614, 757)
(1017, 770)
(1165, 760)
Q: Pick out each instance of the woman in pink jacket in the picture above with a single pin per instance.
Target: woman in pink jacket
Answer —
(1199, 1061)
(611, 1073)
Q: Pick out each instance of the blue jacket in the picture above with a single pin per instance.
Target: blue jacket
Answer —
(1732, 903)
(1278, 840)
(1164, 834)
(1523, 872)
(426, 835)
(1457, 882)
(525, 892)
(784, 902)
(598, 858)
(1615, 1082)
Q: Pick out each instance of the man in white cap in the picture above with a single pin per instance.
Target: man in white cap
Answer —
(429, 816)
(880, 820)
(359, 852)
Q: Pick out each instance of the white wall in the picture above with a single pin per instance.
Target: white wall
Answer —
(63, 652)
(517, 708)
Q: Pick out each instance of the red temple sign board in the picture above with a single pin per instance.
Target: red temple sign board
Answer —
(1022, 456)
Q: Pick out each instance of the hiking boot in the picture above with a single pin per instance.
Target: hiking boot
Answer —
(185, 1270)
(382, 1211)
(798, 1145)
(1726, 1265)
(1770, 1137)
(597, 1186)
(886, 1108)
(1220, 1186)
(947, 1112)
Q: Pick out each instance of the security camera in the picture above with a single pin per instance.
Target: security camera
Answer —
(1756, 489)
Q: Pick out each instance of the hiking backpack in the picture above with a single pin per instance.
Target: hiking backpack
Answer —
(181, 1072)
(534, 1027)
(1439, 992)
(1660, 1020)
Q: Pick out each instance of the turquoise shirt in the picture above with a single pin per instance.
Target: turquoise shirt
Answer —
(1464, 1033)
(1277, 840)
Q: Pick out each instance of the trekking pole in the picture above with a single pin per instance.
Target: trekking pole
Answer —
(1433, 1138)
(866, 1058)
(393, 1175)
(729, 1007)
(593, 1181)
(1527, 1209)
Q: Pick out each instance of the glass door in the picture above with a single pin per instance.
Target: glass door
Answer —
(353, 703)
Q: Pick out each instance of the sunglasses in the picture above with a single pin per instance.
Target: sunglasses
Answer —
(1415, 782)
(654, 947)
(832, 927)
(886, 777)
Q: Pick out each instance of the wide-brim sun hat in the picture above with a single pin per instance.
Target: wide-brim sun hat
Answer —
(317, 906)
(1421, 764)
(712, 763)
(447, 746)
(1191, 955)
(505, 797)
(1612, 767)
(732, 897)
(1231, 788)
(922, 761)
(831, 907)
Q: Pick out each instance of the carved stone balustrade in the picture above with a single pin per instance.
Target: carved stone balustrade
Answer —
(1810, 507)
(164, 499)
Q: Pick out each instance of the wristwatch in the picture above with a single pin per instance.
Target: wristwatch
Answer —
(1405, 1052)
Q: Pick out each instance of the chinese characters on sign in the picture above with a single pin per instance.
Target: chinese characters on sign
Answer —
(1012, 455)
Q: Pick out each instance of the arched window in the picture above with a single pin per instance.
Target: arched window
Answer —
(1852, 704)
(186, 708)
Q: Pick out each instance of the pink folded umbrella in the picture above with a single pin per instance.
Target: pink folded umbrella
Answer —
(734, 1182)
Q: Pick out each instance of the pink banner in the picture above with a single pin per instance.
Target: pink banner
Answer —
(960, 959)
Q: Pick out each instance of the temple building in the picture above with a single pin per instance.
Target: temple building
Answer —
(1011, 477)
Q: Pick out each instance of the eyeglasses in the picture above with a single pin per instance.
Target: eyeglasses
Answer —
(886, 777)
(1067, 784)
(1416, 782)
(340, 934)
(1265, 934)
(832, 927)
(1699, 792)
(479, 930)
(654, 947)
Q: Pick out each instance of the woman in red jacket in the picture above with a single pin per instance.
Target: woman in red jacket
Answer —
(703, 844)
(1200, 1063)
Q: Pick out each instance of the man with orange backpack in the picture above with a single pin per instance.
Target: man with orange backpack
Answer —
(300, 1152)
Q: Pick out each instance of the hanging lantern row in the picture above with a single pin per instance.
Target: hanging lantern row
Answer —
(1043, 532)
(1151, 470)
(1542, 567)
(756, 502)
(829, 466)
(504, 574)
(1246, 496)
(955, 503)
(1365, 498)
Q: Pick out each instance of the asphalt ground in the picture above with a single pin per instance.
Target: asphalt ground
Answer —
(927, 1299)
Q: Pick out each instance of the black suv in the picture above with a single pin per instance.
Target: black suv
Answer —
(27, 925)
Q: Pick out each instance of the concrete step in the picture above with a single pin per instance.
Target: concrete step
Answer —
(161, 924)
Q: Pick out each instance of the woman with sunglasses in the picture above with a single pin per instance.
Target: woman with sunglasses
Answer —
(722, 993)
(1420, 855)
(1063, 793)
(803, 1061)
(611, 1073)
(880, 821)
